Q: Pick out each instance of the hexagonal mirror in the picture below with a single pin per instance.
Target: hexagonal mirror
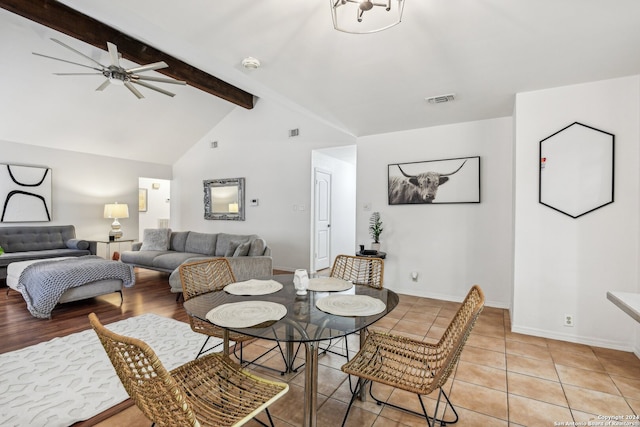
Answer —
(576, 170)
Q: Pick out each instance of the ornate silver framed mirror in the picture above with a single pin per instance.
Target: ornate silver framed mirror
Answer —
(224, 199)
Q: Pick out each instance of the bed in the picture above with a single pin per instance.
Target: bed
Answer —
(45, 283)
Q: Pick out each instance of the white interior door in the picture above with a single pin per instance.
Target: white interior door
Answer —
(322, 250)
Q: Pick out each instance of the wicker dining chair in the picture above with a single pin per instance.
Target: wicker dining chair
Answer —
(212, 275)
(366, 271)
(209, 391)
(413, 365)
(359, 270)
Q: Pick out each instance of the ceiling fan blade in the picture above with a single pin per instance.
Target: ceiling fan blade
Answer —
(103, 85)
(78, 52)
(135, 91)
(158, 79)
(68, 62)
(113, 53)
(78, 74)
(149, 67)
(156, 88)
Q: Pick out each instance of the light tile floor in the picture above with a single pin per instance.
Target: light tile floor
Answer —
(502, 379)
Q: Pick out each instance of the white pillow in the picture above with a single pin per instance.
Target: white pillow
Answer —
(155, 239)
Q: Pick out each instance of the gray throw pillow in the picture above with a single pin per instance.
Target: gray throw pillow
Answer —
(243, 249)
(231, 249)
(155, 239)
(257, 247)
(77, 244)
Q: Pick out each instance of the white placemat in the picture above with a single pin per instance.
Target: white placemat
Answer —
(329, 284)
(351, 305)
(253, 287)
(246, 313)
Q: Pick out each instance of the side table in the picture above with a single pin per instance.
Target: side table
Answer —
(379, 254)
(106, 248)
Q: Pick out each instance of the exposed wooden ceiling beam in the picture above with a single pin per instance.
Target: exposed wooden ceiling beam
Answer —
(60, 17)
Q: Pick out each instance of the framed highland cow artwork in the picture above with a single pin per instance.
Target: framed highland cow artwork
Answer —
(435, 181)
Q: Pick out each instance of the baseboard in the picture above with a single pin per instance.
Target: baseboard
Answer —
(614, 345)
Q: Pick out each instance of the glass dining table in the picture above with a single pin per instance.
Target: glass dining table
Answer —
(303, 323)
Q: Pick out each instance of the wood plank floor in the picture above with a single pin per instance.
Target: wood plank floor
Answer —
(150, 294)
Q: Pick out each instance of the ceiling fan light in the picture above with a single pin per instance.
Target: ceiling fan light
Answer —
(365, 16)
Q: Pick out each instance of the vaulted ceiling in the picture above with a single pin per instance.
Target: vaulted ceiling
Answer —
(484, 51)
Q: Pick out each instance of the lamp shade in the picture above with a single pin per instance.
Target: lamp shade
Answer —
(116, 210)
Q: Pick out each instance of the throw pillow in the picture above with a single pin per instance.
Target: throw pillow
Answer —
(243, 249)
(155, 239)
(257, 247)
(231, 249)
(77, 244)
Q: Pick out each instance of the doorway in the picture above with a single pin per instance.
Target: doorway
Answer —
(322, 214)
(333, 214)
(154, 204)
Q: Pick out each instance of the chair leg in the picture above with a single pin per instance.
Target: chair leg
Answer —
(203, 351)
(441, 393)
(359, 386)
(268, 416)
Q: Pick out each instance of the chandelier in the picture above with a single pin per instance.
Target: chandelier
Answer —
(365, 16)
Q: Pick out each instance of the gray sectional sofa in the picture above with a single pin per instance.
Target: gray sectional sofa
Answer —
(24, 243)
(249, 255)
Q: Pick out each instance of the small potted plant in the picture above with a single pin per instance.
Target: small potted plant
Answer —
(1, 251)
(375, 229)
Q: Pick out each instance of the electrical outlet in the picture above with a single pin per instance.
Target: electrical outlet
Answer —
(568, 320)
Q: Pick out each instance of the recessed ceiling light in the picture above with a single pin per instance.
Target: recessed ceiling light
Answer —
(441, 98)
(250, 63)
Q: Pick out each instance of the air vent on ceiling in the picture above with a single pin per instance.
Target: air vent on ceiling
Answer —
(441, 98)
(294, 132)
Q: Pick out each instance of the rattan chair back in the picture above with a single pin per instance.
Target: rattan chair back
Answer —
(209, 391)
(359, 270)
(205, 276)
(148, 383)
(413, 365)
(201, 277)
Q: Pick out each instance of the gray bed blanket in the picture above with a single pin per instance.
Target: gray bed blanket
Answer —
(43, 283)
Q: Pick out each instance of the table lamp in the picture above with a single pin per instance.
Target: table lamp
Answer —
(115, 211)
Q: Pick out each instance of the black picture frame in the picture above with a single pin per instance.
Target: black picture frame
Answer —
(577, 170)
(434, 182)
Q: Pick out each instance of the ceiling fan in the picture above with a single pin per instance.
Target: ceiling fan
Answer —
(117, 74)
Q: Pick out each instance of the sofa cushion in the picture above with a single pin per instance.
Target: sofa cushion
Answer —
(178, 240)
(242, 249)
(155, 239)
(140, 257)
(257, 247)
(201, 243)
(171, 260)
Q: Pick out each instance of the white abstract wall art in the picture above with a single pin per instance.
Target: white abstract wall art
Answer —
(25, 193)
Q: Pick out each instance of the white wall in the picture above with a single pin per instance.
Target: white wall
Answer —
(254, 144)
(83, 183)
(343, 202)
(451, 246)
(158, 203)
(565, 265)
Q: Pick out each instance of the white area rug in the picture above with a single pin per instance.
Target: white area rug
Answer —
(70, 379)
